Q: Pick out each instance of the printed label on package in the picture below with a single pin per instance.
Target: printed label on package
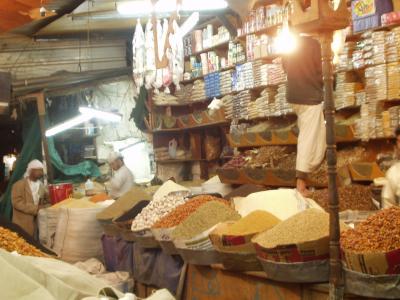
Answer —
(363, 8)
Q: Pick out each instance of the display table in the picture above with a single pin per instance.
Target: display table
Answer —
(206, 283)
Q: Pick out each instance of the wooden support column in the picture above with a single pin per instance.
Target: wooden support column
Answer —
(41, 106)
(336, 281)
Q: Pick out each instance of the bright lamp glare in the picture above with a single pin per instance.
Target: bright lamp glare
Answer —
(67, 125)
(98, 114)
(286, 42)
(145, 7)
(190, 5)
(142, 7)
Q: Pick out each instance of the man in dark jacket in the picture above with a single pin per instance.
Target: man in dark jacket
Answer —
(305, 94)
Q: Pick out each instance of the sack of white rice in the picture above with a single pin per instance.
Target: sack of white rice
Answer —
(78, 235)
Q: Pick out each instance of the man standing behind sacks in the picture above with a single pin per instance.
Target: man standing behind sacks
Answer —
(28, 195)
(122, 180)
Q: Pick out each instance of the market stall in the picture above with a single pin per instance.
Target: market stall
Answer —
(184, 178)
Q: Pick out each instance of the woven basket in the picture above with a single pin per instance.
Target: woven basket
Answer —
(200, 257)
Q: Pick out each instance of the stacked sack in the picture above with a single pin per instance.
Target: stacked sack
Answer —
(198, 91)
(393, 45)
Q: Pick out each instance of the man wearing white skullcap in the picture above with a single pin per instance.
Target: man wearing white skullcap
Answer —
(27, 195)
(122, 180)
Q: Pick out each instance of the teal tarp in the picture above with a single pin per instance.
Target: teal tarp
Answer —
(31, 150)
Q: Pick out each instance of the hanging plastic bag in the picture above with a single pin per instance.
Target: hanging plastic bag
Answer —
(138, 50)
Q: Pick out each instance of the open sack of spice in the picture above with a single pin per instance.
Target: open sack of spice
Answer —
(303, 237)
(169, 196)
(373, 246)
(164, 227)
(235, 236)
(193, 232)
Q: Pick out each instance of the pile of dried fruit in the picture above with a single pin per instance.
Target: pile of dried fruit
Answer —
(265, 157)
(237, 162)
(344, 157)
(10, 241)
(183, 211)
(354, 197)
(271, 157)
(379, 233)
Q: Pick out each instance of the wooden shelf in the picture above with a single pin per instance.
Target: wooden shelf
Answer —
(349, 108)
(186, 103)
(271, 30)
(364, 171)
(223, 45)
(177, 161)
(344, 134)
(174, 130)
(261, 176)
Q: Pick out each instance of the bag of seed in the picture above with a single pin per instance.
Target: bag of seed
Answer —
(236, 236)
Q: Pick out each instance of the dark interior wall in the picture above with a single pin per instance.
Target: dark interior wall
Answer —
(10, 142)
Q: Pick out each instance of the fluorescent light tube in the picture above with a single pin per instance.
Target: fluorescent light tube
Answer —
(3, 104)
(67, 125)
(194, 5)
(144, 7)
(189, 24)
(99, 114)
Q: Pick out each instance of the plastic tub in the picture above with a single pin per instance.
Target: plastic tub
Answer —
(60, 192)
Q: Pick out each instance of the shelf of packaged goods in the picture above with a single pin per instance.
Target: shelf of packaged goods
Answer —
(175, 130)
(270, 30)
(223, 45)
(344, 134)
(186, 103)
(202, 76)
(262, 176)
(356, 36)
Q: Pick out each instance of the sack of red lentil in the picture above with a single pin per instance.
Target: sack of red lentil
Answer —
(373, 246)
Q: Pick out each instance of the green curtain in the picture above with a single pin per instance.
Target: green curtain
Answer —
(140, 111)
(72, 173)
(31, 149)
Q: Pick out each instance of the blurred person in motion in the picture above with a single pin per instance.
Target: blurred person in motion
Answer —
(122, 180)
(388, 159)
(303, 67)
(28, 195)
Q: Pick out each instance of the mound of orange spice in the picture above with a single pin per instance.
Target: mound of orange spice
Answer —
(185, 210)
(378, 233)
(10, 241)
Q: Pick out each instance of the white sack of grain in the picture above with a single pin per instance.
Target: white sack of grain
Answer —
(47, 224)
(282, 203)
(78, 234)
